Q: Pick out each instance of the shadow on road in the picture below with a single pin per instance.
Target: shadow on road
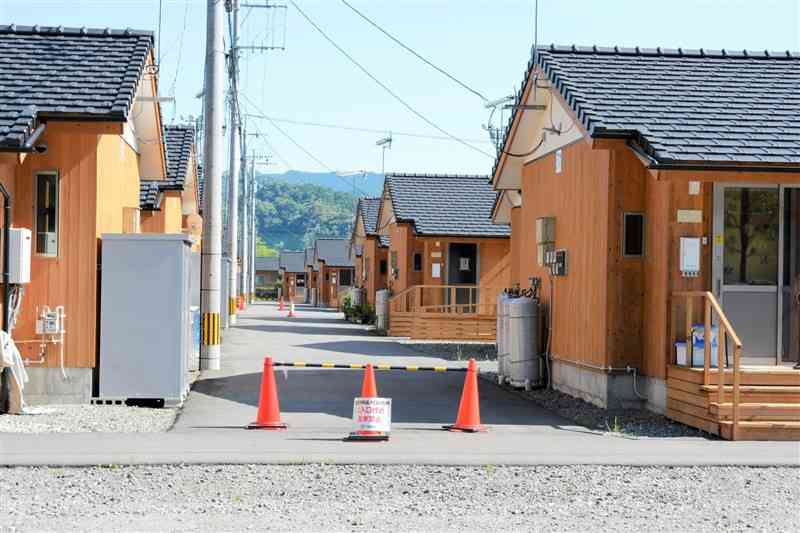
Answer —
(305, 330)
(371, 348)
(417, 397)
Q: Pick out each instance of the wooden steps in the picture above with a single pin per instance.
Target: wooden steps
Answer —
(769, 407)
(762, 430)
(758, 411)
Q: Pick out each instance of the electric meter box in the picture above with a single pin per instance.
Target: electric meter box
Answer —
(19, 256)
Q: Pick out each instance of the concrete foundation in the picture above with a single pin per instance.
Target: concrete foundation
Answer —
(609, 390)
(47, 385)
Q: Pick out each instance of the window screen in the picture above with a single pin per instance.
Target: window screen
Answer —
(47, 213)
(345, 278)
(633, 235)
(417, 262)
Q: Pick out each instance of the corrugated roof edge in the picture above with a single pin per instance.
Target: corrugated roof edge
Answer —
(616, 50)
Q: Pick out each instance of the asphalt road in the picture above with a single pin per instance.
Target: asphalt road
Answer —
(317, 405)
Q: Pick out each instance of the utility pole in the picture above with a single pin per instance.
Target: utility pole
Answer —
(213, 106)
(245, 239)
(253, 239)
(232, 6)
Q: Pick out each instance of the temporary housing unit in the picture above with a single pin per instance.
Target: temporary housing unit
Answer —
(172, 205)
(311, 277)
(369, 249)
(334, 270)
(267, 272)
(80, 118)
(666, 181)
(293, 270)
(447, 261)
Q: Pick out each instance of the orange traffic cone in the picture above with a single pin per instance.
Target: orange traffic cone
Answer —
(368, 387)
(368, 390)
(469, 413)
(291, 310)
(269, 409)
(280, 304)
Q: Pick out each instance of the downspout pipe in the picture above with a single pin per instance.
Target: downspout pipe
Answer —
(30, 143)
(7, 203)
(5, 373)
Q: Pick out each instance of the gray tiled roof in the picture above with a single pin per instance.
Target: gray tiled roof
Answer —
(55, 72)
(369, 209)
(335, 252)
(293, 261)
(267, 263)
(149, 195)
(179, 141)
(451, 205)
(687, 106)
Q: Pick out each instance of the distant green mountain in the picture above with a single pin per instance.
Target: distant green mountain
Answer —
(369, 185)
(291, 215)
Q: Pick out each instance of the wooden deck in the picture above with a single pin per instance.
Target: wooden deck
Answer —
(445, 312)
(769, 407)
(443, 326)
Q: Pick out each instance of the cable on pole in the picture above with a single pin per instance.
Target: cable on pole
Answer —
(414, 52)
(383, 85)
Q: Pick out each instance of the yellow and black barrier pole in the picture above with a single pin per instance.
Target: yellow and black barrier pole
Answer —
(360, 366)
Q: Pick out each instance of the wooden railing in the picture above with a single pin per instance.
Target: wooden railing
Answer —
(725, 330)
(457, 299)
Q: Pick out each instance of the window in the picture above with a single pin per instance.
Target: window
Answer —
(260, 280)
(633, 234)
(365, 268)
(384, 267)
(417, 262)
(47, 213)
(345, 278)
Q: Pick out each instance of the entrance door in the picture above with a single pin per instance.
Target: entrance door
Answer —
(747, 265)
(790, 277)
(462, 269)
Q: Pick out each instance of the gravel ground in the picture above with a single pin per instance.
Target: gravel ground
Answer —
(634, 423)
(391, 498)
(88, 419)
(455, 351)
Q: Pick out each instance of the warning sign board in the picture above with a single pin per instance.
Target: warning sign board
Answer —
(372, 414)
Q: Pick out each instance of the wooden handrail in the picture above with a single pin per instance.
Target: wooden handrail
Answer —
(711, 306)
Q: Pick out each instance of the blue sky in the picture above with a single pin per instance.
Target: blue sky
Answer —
(484, 43)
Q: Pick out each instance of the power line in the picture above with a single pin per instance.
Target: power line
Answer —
(384, 86)
(414, 52)
(301, 147)
(365, 130)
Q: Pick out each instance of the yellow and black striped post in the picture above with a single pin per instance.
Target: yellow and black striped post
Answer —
(211, 334)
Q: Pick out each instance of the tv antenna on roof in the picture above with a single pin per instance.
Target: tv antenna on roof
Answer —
(385, 143)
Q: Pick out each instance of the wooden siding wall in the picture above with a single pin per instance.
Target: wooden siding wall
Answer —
(70, 279)
(664, 199)
(117, 183)
(373, 255)
(578, 198)
(402, 236)
(168, 219)
(518, 230)
(625, 274)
